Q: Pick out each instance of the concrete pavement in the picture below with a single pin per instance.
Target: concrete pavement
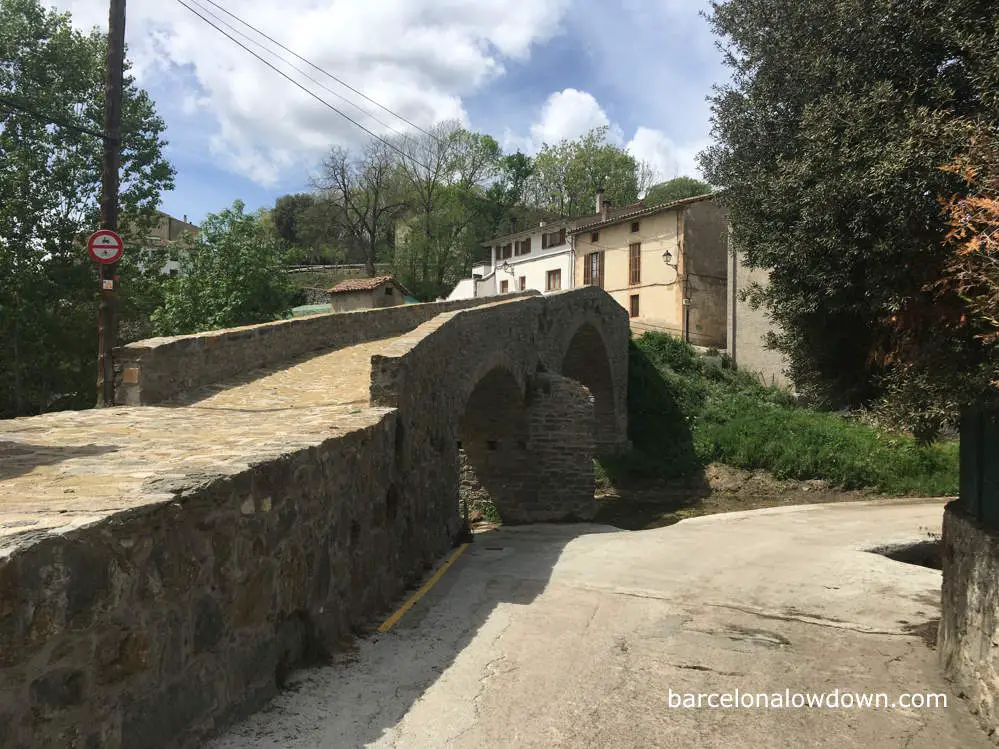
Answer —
(573, 636)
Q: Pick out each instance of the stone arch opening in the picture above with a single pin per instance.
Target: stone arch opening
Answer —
(587, 362)
(493, 442)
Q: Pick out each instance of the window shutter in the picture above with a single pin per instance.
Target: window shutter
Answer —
(587, 275)
(561, 236)
(544, 241)
(600, 265)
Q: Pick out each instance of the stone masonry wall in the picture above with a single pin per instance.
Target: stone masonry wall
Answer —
(968, 638)
(158, 625)
(424, 376)
(154, 370)
(562, 441)
(536, 465)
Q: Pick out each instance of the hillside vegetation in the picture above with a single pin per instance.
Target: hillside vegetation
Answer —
(686, 412)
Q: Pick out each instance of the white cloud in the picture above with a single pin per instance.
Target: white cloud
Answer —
(567, 114)
(570, 113)
(417, 57)
(664, 155)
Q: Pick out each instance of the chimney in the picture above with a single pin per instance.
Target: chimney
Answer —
(604, 209)
(600, 201)
(185, 218)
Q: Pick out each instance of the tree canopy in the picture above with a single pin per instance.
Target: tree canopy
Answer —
(677, 188)
(49, 187)
(230, 275)
(567, 175)
(829, 143)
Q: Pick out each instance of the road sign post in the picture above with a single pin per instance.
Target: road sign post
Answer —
(107, 313)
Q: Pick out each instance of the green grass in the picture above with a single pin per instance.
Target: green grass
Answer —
(685, 413)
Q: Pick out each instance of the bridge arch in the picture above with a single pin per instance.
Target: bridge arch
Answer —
(587, 361)
(493, 436)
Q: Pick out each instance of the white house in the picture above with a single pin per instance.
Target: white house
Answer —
(538, 258)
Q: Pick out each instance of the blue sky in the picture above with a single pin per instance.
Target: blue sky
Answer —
(525, 71)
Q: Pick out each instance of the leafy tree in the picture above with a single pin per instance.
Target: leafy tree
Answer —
(230, 275)
(446, 174)
(677, 188)
(286, 216)
(567, 175)
(363, 193)
(49, 187)
(829, 142)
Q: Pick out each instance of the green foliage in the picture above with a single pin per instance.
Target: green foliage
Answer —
(676, 189)
(685, 412)
(49, 186)
(568, 174)
(830, 140)
(230, 276)
(445, 183)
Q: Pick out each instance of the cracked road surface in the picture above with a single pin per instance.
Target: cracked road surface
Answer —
(573, 636)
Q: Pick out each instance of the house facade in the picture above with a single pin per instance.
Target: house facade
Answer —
(167, 230)
(666, 265)
(748, 327)
(367, 293)
(538, 258)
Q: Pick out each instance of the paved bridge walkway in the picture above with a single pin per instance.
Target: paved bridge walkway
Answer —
(74, 467)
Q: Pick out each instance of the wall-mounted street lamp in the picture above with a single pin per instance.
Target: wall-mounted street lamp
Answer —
(668, 257)
(507, 267)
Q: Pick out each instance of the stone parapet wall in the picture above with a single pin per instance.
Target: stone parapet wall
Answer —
(156, 626)
(157, 369)
(968, 638)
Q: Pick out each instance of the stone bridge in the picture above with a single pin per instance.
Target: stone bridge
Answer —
(262, 493)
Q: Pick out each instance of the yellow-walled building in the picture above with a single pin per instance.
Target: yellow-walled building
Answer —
(667, 265)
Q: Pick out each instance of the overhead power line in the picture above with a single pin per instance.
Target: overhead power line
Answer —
(323, 71)
(297, 69)
(310, 93)
(52, 120)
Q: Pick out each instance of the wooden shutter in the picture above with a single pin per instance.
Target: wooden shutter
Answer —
(587, 275)
(635, 263)
(544, 241)
(561, 236)
(600, 266)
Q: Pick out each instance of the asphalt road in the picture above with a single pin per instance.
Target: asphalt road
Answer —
(574, 636)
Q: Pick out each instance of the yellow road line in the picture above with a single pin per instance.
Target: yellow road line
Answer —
(394, 619)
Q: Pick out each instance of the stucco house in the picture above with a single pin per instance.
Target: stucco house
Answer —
(166, 231)
(367, 293)
(667, 265)
(748, 327)
(536, 258)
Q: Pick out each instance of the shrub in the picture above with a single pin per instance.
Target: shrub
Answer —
(684, 413)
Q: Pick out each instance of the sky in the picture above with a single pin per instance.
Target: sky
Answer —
(525, 71)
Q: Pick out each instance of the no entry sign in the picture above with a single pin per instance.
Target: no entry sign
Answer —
(105, 246)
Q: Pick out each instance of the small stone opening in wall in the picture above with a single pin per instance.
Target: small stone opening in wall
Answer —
(492, 445)
(355, 532)
(391, 503)
(919, 553)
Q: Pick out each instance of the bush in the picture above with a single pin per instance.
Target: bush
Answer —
(685, 413)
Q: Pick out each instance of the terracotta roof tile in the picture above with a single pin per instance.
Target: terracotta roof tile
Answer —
(635, 210)
(365, 284)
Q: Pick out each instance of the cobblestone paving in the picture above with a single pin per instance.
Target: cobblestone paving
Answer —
(75, 467)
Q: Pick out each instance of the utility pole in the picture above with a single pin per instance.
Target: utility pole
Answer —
(107, 315)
